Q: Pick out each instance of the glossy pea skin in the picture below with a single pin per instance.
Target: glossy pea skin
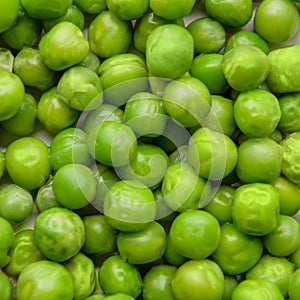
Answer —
(59, 233)
(9, 14)
(29, 66)
(6, 287)
(7, 238)
(24, 121)
(114, 37)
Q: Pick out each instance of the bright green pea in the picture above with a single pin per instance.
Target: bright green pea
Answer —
(106, 112)
(54, 113)
(241, 76)
(6, 287)
(112, 143)
(244, 37)
(148, 166)
(255, 208)
(35, 279)
(230, 284)
(122, 76)
(59, 233)
(114, 37)
(166, 56)
(82, 270)
(12, 94)
(236, 252)
(138, 247)
(145, 114)
(74, 185)
(6, 59)
(208, 69)
(144, 26)
(23, 122)
(207, 156)
(69, 146)
(80, 88)
(90, 6)
(221, 116)
(63, 46)
(129, 206)
(171, 255)
(259, 160)
(129, 283)
(294, 285)
(24, 33)
(73, 14)
(27, 162)
(278, 270)
(16, 203)
(91, 61)
(45, 197)
(22, 253)
(209, 35)
(100, 237)
(183, 189)
(7, 238)
(157, 283)
(285, 238)
(9, 14)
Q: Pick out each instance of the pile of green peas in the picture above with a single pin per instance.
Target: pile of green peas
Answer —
(149, 150)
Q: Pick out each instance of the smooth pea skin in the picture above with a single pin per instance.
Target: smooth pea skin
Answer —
(16, 203)
(45, 280)
(9, 14)
(82, 271)
(22, 253)
(276, 269)
(255, 208)
(221, 116)
(74, 185)
(285, 238)
(148, 166)
(157, 283)
(257, 112)
(6, 241)
(12, 94)
(118, 296)
(207, 156)
(6, 287)
(294, 286)
(287, 20)
(80, 88)
(27, 162)
(100, 237)
(44, 9)
(59, 233)
(241, 76)
(236, 252)
(29, 66)
(69, 146)
(118, 276)
(259, 160)
(23, 122)
(129, 206)
(187, 100)
(169, 51)
(198, 277)
(182, 189)
(195, 234)
(138, 247)
(261, 289)
(63, 46)
(114, 37)
(112, 143)
(90, 6)
(54, 113)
